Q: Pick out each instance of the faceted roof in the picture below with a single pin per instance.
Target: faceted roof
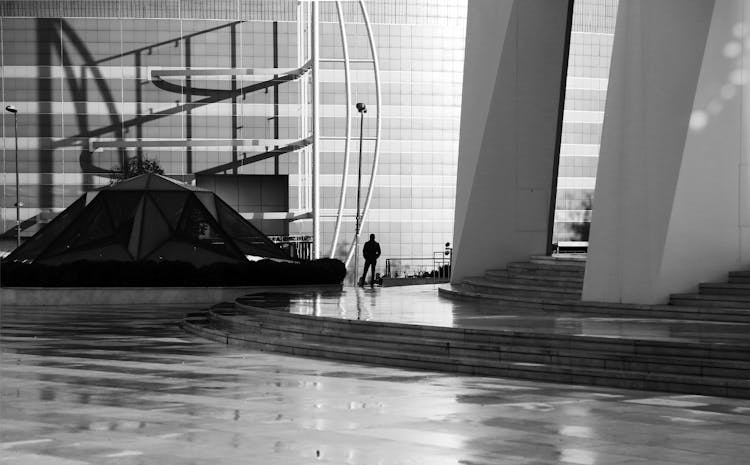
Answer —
(148, 218)
(152, 182)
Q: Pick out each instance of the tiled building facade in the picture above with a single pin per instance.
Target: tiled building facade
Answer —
(591, 40)
(82, 73)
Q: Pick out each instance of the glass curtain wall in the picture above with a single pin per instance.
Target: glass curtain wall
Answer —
(420, 47)
(81, 72)
(591, 41)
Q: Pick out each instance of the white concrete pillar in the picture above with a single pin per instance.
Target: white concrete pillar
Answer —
(672, 201)
(513, 71)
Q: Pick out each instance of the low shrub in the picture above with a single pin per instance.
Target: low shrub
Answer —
(163, 274)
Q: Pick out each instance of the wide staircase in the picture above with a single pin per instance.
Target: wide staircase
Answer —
(733, 294)
(540, 279)
(554, 284)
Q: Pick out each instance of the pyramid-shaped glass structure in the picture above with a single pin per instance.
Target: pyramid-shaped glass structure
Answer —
(148, 218)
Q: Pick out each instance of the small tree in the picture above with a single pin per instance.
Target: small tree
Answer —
(135, 167)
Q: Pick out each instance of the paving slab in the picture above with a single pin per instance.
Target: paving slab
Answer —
(124, 385)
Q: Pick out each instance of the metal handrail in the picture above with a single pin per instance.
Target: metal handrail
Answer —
(297, 246)
(439, 264)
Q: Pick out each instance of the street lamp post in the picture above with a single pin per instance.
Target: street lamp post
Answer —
(14, 110)
(362, 109)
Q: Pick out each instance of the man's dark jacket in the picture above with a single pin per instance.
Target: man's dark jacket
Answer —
(371, 250)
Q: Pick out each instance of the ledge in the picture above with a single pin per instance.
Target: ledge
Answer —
(38, 296)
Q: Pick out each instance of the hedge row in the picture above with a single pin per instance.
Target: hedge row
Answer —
(161, 274)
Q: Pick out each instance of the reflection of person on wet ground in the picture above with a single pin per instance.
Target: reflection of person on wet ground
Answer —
(359, 305)
(364, 309)
(371, 252)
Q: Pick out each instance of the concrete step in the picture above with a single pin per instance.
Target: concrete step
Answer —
(739, 277)
(463, 358)
(532, 371)
(565, 261)
(677, 312)
(598, 353)
(541, 269)
(531, 279)
(711, 300)
(725, 288)
(727, 351)
(485, 286)
(496, 275)
(739, 351)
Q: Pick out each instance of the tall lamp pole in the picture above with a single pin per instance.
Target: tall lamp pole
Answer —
(14, 110)
(362, 109)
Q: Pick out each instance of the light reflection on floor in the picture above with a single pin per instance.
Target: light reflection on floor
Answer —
(412, 304)
(422, 305)
(116, 385)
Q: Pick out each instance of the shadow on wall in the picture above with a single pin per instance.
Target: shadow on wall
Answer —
(57, 40)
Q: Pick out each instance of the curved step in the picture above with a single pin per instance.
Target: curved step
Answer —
(651, 356)
(503, 288)
(739, 277)
(724, 351)
(570, 260)
(349, 348)
(725, 288)
(677, 312)
(530, 279)
(540, 269)
(711, 300)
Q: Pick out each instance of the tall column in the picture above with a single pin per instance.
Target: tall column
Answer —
(516, 52)
(672, 199)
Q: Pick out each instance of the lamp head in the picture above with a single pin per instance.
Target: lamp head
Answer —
(361, 107)
(11, 109)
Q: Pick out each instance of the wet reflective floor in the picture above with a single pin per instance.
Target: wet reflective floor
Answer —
(116, 385)
(422, 305)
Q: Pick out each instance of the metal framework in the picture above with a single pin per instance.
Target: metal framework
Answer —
(378, 118)
(345, 171)
(315, 42)
(308, 146)
(309, 162)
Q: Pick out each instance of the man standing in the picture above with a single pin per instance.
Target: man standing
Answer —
(371, 252)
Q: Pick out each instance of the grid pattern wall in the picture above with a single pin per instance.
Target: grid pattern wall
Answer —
(427, 12)
(80, 71)
(586, 94)
(421, 67)
(259, 10)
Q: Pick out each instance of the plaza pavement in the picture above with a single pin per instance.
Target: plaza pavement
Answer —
(119, 385)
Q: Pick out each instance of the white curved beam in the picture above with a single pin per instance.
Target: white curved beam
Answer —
(253, 74)
(378, 119)
(315, 42)
(344, 174)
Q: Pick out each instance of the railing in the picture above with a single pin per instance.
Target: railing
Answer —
(297, 246)
(437, 267)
